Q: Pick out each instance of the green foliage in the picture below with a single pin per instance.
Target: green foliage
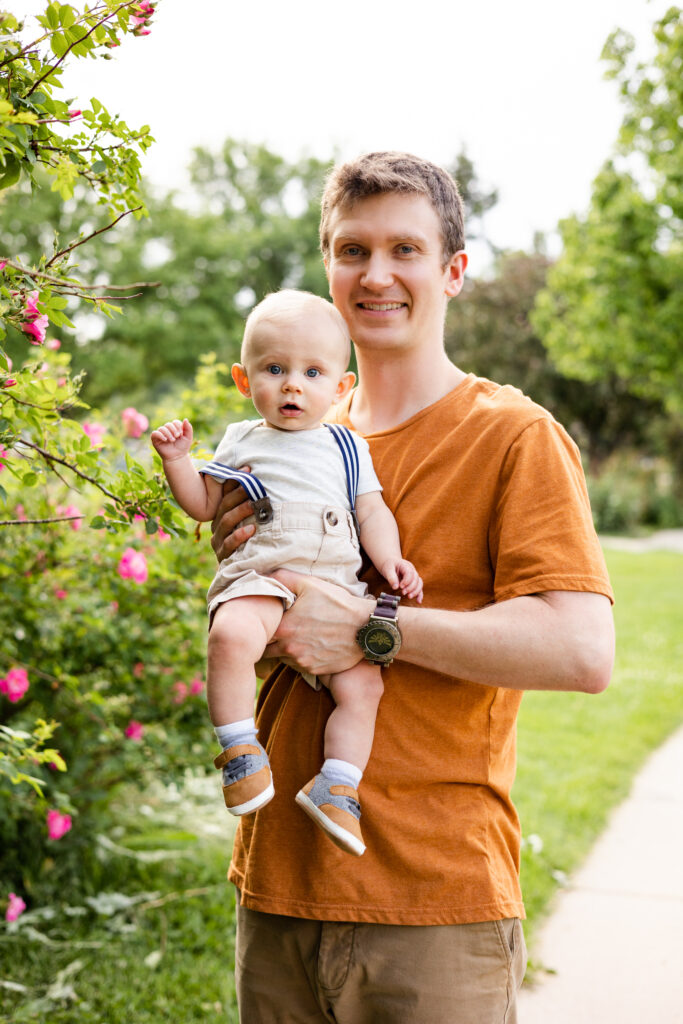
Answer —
(114, 649)
(613, 305)
(489, 332)
(631, 492)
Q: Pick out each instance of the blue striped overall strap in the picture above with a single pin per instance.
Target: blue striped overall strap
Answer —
(254, 489)
(349, 453)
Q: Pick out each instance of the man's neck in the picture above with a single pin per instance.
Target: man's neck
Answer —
(392, 390)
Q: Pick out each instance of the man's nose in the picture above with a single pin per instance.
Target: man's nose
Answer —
(377, 272)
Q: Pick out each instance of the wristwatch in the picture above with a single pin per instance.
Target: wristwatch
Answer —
(380, 638)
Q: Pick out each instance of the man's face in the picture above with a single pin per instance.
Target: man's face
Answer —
(386, 274)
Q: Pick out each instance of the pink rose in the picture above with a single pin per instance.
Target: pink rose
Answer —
(162, 535)
(134, 730)
(135, 423)
(36, 329)
(9, 383)
(133, 566)
(71, 510)
(4, 452)
(53, 344)
(138, 669)
(196, 686)
(58, 824)
(75, 113)
(181, 690)
(61, 594)
(95, 432)
(31, 310)
(3, 264)
(15, 684)
(15, 907)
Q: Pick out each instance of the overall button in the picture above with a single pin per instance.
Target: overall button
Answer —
(332, 518)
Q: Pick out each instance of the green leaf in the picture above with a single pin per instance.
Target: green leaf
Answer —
(52, 14)
(11, 172)
(58, 44)
(67, 15)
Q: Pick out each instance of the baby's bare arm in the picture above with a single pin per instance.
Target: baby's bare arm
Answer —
(197, 494)
(379, 536)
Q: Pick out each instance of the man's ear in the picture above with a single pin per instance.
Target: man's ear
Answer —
(456, 273)
(344, 386)
(239, 375)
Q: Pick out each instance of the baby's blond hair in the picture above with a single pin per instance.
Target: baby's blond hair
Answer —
(284, 307)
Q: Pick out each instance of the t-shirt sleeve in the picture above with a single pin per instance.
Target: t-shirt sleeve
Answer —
(226, 452)
(367, 478)
(541, 535)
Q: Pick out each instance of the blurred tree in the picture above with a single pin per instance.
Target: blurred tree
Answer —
(488, 332)
(613, 305)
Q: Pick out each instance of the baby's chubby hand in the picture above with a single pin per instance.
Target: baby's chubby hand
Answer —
(402, 575)
(173, 440)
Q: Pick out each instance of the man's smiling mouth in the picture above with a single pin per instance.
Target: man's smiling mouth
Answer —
(381, 307)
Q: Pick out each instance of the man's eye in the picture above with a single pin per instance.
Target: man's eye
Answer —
(352, 250)
(406, 250)
(312, 372)
(275, 369)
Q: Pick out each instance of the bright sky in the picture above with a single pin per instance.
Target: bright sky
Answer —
(519, 83)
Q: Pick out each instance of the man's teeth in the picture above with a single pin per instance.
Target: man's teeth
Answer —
(381, 306)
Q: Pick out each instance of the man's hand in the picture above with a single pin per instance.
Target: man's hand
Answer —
(318, 633)
(226, 533)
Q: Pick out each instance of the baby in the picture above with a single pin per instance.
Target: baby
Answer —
(294, 356)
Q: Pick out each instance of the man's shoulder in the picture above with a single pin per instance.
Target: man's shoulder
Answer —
(502, 406)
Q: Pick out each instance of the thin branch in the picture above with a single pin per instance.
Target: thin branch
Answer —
(88, 237)
(171, 896)
(36, 42)
(66, 282)
(27, 522)
(50, 458)
(61, 60)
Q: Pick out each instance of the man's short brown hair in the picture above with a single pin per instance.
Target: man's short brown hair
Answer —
(379, 173)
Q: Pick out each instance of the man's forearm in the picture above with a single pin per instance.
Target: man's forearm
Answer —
(561, 640)
(557, 641)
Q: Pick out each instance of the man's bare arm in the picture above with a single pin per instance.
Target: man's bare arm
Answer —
(561, 640)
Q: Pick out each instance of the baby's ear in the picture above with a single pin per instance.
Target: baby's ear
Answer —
(239, 375)
(344, 386)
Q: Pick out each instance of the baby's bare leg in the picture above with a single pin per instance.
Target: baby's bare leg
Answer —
(351, 726)
(240, 630)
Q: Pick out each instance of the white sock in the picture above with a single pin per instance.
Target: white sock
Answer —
(236, 732)
(342, 772)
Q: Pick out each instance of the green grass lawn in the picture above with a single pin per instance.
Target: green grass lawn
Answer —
(168, 955)
(578, 754)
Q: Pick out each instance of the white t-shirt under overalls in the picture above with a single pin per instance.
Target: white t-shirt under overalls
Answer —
(312, 530)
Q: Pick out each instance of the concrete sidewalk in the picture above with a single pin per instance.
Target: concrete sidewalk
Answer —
(615, 939)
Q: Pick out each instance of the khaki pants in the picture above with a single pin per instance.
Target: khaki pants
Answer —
(294, 971)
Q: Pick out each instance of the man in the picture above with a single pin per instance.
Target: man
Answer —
(490, 500)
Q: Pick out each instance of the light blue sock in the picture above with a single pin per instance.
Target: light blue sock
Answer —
(236, 732)
(342, 772)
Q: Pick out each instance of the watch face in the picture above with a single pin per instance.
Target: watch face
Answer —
(379, 641)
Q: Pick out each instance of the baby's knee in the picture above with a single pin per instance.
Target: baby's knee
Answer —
(228, 632)
(361, 684)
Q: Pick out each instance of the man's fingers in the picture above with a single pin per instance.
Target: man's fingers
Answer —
(292, 580)
(227, 533)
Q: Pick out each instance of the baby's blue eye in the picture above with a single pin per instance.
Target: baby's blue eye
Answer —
(275, 369)
(312, 372)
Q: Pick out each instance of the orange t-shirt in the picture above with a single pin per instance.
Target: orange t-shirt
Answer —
(491, 503)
